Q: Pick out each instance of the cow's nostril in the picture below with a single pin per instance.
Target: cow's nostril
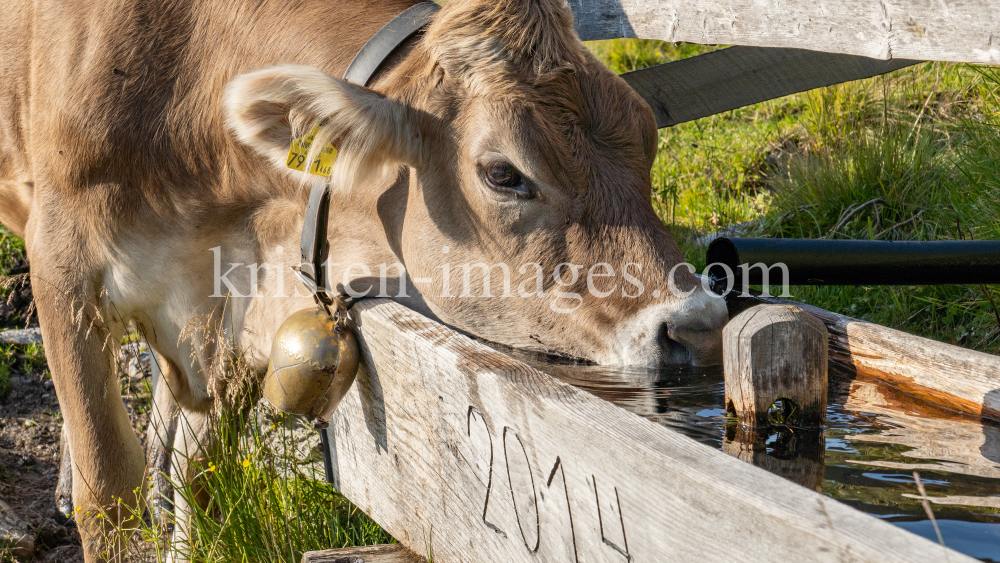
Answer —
(671, 350)
(702, 346)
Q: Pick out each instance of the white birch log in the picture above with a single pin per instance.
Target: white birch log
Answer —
(932, 30)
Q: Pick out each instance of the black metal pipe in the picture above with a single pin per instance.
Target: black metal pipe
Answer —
(857, 262)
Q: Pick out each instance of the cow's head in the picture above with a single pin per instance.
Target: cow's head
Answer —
(517, 153)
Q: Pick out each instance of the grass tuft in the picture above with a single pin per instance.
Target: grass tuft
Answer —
(263, 506)
(259, 494)
(6, 368)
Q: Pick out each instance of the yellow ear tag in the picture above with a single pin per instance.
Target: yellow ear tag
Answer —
(299, 151)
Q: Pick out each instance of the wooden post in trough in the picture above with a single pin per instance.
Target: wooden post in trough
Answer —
(949, 376)
(771, 353)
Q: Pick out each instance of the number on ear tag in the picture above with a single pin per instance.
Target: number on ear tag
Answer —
(299, 151)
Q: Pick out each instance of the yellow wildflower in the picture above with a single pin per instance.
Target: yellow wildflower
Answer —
(246, 463)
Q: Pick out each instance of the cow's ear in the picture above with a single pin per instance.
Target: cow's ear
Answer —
(267, 109)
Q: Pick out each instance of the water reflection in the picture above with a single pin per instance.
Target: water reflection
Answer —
(939, 442)
(875, 438)
(948, 442)
(795, 455)
(685, 398)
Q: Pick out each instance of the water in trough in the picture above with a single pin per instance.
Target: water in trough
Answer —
(875, 438)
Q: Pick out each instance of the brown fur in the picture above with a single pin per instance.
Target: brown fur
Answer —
(131, 143)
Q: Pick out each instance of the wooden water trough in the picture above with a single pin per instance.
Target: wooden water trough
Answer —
(465, 454)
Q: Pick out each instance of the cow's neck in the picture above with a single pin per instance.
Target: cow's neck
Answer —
(362, 70)
(364, 232)
(365, 239)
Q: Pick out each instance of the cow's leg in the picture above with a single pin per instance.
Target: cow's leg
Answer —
(107, 459)
(160, 441)
(192, 444)
(64, 489)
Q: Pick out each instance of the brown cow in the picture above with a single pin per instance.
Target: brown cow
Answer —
(131, 163)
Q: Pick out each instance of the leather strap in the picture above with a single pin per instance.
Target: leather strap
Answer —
(314, 244)
(365, 64)
(383, 43)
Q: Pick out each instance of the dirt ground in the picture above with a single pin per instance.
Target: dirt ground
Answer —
(30, 427)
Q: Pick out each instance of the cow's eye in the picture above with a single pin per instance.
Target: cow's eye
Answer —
(503, 177)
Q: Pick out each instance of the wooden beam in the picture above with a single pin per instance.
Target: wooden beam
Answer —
(956, 30)
(731, 78)
(392, 553)
(459, 450)
(946, 375)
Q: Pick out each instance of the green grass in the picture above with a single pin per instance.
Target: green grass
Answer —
(925, 141)
(11, 249)
(33, 357)
(256, 497)
(12, 254)
(7, 552)
(18, 359)
(262, 507)
(627, 55)
(7, 363)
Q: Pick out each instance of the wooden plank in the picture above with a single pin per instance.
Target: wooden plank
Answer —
(932, 30)
(731, 78)
(392, 553)
(950, 376)
(457, 449)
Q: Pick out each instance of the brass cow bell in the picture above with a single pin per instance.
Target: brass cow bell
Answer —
(314, 360)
